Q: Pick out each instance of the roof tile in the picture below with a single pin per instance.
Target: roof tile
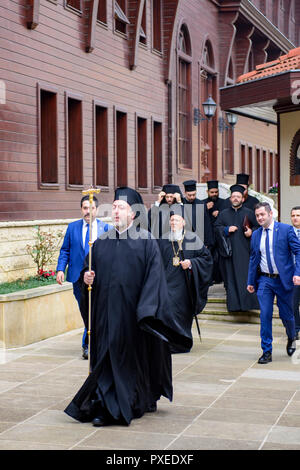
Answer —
(289, 61)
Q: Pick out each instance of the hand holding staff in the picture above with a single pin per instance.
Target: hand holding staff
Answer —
(90, 192)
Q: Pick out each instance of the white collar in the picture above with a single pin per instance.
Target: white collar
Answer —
(271, 226)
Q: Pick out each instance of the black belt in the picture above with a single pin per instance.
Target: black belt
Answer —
(269, 275)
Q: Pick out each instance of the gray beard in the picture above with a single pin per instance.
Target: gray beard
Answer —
(175, 236)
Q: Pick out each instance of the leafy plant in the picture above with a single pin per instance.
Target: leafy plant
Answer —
(274, 189)
(43, 250)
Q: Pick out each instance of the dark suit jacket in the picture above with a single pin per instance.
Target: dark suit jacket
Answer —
(285, 244)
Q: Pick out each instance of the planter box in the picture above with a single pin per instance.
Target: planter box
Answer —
(32, 315)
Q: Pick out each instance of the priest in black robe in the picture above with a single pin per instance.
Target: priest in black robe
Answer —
(159, 214)
(131, 326)
(215, 204)
(236, 225)
(188, 266)
(196, 214)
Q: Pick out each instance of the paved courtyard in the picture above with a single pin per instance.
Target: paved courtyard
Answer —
(223, 399)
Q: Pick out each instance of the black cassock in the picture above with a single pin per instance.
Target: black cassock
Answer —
(236, 267)
(198, 221)
(130, 330)
(187, 288)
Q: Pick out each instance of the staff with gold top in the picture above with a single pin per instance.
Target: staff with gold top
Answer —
(90, 192)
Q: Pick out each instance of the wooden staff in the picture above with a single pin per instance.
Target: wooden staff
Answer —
(90, 192)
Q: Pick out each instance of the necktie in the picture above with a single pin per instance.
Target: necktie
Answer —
(268, 252)
(86, 243)
(298, 233)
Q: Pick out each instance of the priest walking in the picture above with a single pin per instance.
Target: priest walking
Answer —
(235, 225)
(188, 266)
(131, 326)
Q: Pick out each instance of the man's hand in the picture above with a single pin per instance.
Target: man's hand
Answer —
(88, 277)
(296, 280)
(177, 197)
(185, 264)
(161, 196)
(60, 277)
(233, 228)
(248, 232)
(250, 289)
(215, 213)
(210, 205)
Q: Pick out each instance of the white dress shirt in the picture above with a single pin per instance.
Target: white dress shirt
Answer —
(263, 260)
(94, 231)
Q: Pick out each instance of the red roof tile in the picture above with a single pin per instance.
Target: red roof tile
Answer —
(289, 61)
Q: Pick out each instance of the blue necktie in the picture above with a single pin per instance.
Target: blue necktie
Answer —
(86, 243)
(268, 252)
(298, 233)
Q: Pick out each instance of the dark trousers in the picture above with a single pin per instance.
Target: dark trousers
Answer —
(267, 289)
(296, 300)
(77, 295)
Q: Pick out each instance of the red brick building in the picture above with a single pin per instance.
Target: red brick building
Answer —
(108, 92)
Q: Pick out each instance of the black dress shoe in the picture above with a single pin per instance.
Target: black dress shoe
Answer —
(99, 422)
(265, 358)
(85, 352)
(291, 346)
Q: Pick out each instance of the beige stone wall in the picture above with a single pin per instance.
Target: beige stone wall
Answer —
(15, 263)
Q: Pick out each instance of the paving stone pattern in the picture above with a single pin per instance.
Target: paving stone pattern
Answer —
(223, 399)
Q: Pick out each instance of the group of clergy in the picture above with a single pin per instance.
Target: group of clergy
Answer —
(218, 223)
(148, 284)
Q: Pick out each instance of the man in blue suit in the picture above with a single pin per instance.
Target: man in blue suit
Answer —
(74, 250)
(272, 271)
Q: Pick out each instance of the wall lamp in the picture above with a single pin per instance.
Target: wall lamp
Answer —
(209, 108)
(229, 122)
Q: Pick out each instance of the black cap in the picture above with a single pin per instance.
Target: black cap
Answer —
(177, 209)
(131, 196)
(237, 188)
(171, 188)
(190, 185)
(212, 184)
(242, 178)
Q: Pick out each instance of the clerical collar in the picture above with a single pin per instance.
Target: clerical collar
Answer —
(236, 208)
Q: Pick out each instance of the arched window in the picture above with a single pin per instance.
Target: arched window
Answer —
(295, 160)
(208, 129)
(184, 98)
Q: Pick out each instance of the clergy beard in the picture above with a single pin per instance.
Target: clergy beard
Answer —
(175, 236)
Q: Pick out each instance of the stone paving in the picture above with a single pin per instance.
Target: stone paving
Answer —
(223, 399)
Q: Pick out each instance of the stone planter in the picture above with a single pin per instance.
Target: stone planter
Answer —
(32, 315)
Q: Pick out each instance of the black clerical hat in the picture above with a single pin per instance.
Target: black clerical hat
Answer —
(237, 188)
(177, 209)
(212, 184)
(190, 185)
(171, 188)
(131, 196)
(242, 178)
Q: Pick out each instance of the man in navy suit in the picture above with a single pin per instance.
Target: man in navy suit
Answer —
(74, 250)
(272, 271)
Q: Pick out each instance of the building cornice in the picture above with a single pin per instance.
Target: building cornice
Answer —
(260, 21)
